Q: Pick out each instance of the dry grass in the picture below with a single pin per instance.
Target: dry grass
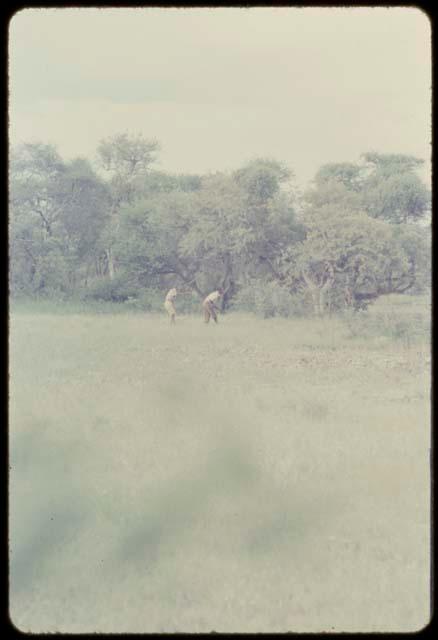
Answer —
(251, 476)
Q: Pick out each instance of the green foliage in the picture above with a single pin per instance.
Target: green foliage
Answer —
(416, 241)
(347, 260)
(269, 299)
(391, 163)
(261, 179)
(391, 188)
(397, 198)
(208, 237)
(57, 214)
(347, 174)
(127, 155)
(330, 194)
(36, 161)
(148, 299)
(154, 182)
(127, 238)
(119, 289)
(150, 237)
(384, 185)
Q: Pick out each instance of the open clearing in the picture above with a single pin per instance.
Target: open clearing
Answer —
(259, 475)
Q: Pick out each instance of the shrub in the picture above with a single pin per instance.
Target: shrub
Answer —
(406, 328)
(148, 299)
(268, 299)
(117, 290)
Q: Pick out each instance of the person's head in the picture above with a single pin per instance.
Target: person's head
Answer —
(221, 291)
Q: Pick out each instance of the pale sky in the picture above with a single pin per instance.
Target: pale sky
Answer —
(218, 86)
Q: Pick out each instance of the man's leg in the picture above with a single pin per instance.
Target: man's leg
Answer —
(171, 311)
(206, 313)
(213, 311)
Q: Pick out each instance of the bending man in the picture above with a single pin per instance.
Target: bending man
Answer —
(210, 309)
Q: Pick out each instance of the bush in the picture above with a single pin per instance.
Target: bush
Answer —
(268, 299)
(135, 296)
(150, 300)
(406, 328)
(189, 303)
(117, 290)
(48, 276)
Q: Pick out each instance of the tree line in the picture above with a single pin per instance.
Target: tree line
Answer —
(124, 231)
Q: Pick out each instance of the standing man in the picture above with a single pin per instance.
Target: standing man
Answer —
(169, 306)
(210, 309)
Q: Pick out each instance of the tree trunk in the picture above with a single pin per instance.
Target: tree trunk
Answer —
(228, 295)
(87, 273)
(314, 292)
(348, 296)
(227, 283)
(110, 262)
(316, 297)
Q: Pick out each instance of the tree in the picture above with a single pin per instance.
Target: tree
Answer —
(155, 182)
(391, 188)
(232, 227)
(126, 159)
(391, 163)
(36, 187)
(416, 243)
(150, 235)
(142, 228)
(348, 261)
(37, 195)
(397, 198)
(347, 174)
(84, 218)
(212, 239)
(385, 186)
(261, 180)
(269, 224)
(356, 248)
(57, 212)
(331, 193)
(243, 222)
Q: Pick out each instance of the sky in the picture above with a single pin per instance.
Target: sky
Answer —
(218, 87)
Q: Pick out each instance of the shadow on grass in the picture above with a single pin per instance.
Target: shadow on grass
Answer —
(52, 503)
(48, 506)
(30, 560)
(172, 511)
(290, 523)
(267, 520)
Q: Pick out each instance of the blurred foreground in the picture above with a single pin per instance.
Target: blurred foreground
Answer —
(253, 476)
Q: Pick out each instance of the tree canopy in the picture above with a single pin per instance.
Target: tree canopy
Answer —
(123, 227)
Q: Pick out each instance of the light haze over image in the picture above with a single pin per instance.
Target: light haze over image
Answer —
(220, 86)
(219, 320)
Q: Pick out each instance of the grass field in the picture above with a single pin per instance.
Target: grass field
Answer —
(259, 475)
